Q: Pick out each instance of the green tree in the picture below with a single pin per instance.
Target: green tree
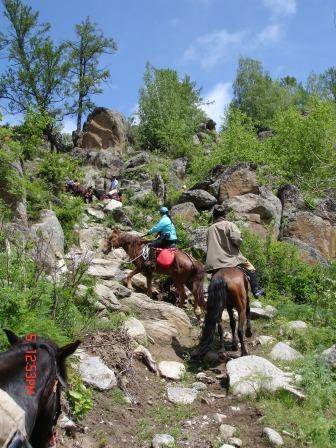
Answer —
(256, 94)
(169, 110)
(87, 76)
(37, 73)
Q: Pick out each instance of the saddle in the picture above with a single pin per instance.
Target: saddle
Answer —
(165, 257)
(12, 421)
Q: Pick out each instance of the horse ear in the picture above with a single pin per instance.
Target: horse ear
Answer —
(68, 350)
(12, 338)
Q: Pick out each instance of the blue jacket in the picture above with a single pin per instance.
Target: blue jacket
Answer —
(164, 226)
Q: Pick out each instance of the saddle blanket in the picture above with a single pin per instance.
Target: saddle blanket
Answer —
(12, 419)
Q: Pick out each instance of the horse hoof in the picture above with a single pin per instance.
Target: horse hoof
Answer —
(234, 348)
(248, 333)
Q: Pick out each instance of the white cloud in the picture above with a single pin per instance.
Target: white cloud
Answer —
(271, 33)
(68, 125)
(219, 97)
(281, 7)
(210, 48)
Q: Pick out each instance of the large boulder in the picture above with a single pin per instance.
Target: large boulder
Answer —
(100, 158)
(318, 233)
(49, 241)
(179, 166)
(105, 129)
(249, 375)
(95, 373)
(187, 211)
(257, 211)
(200, 198)
(159, 188)
(137, 160)
(237, 181)
(91, 237)
(151, 312)
(329, 356)
(199, 239)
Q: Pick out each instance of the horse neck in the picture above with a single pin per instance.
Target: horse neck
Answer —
(132, 247)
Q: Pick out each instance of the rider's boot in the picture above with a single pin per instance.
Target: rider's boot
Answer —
(256, 289)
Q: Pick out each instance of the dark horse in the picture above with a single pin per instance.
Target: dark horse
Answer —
(228, 288)
(185, 270)
(41, 403)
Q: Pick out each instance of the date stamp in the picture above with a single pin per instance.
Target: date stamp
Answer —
(30, 367)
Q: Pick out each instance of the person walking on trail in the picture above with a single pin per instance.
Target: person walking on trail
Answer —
(223, 243)
(167, 237)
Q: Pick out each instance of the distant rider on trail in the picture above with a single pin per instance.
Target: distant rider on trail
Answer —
(223, 243)
(165, 228)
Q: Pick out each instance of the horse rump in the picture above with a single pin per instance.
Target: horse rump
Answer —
(217, 298)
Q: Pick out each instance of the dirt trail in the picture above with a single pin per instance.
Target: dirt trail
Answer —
(114, 422)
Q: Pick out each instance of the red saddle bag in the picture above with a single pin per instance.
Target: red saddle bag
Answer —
(165, 258)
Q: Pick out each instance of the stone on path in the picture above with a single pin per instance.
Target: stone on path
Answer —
(283, 352)
(171, 369)
(329, 356)
(273, 437)
(250, 374)
(199, 386)
(106, 297)
(297, 325)
(102, 268)
(135, 330)
(181, 395)
(256, 304)
(95, 373)
(261, 313)
(227, 431)
(265, 340)
(98, 214)
(111, 205)
(235, 442)
(162, 440)
(226, 446)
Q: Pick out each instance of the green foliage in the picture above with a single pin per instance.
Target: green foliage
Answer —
(55, 168)
(68, 214)
(169, 111)
(87, 76)
(312, 420)
(79, 396)
(37, 71)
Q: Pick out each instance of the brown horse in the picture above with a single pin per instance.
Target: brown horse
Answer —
(185, 270)
(228, 288)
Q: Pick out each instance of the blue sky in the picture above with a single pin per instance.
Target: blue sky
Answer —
(203, 38)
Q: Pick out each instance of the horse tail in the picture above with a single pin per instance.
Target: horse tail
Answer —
(217, 298)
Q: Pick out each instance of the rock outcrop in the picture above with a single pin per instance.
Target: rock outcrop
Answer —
(104, 129)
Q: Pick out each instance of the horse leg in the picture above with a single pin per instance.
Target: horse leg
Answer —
(241, 324)
(233, 328)
(221, 334)
(149, 284)
(248, 332)
(135, 271)
(182, 293)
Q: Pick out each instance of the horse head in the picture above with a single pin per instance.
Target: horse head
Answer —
(112, 241)
(47, 361)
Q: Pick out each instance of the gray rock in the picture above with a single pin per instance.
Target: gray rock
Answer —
(98, 214)
(235, 442)
(273, 437)
(181, 395)
(187, 211)
(329, 356)
(49, 241)
(161, 320)
(171, 369)
(283, 352)
(297, 325)
(102, 268)
(198, 239)
(260, 313)
(95, 373)
(200, 198)
(250, 374)
(132, 185)
(159, 188)
(227, 431)
(65, 423)
(121, 291)
(237, 181)
(91, 237)
(107, 297)
(178, 167)
(140, 195)
(265, 340)
(219, 418)
(139, 281)
(138, 160)
(307, 252)
(120, 216)
(256, 304)
(111, 205)
(162, 440)
(226, 446)
(270, 309)
(135, 330)
(198, 385)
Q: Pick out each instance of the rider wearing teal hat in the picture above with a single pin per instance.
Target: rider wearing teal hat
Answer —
(165, 228)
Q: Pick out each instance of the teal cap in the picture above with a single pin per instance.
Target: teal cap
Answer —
(163, 210)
